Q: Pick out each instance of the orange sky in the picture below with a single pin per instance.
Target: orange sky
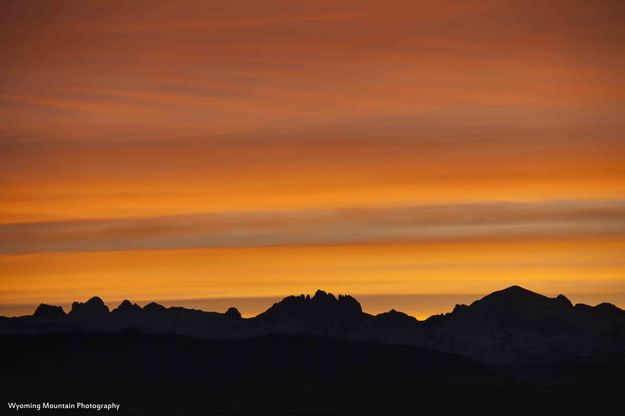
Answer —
(193, 150)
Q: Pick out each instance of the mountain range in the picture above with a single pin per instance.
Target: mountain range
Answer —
(511, 351)
(510, 327)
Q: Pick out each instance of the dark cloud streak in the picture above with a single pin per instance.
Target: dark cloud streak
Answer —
(504, 221)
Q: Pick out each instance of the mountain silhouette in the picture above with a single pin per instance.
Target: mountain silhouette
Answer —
(512, 326)
(322, 306)
(515, 324)
(49, 312)
(321, 314)
(126, 307)
(93, 311)
(321, 353)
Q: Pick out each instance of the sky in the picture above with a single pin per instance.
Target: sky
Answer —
(415, 154)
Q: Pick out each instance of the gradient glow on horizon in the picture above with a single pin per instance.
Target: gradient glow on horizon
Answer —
(196, 150)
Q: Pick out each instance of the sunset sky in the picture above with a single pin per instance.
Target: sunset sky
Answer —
(414, 154)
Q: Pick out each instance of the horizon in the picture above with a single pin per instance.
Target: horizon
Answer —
(435, 304)
(246, 150)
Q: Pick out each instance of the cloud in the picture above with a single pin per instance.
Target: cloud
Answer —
(425, 224)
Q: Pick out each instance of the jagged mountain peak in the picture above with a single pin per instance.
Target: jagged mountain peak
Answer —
(233, 312)
(564, 301)
(49, 312)
(127, 306)
(321, 295)
(153, 307)
(95, 300)
(92, 310)
(397, 316)
(321, 307)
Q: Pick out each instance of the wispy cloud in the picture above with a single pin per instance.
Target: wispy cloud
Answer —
(425, 223)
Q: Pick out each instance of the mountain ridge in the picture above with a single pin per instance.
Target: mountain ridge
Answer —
(513, 290)
(512, 325)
